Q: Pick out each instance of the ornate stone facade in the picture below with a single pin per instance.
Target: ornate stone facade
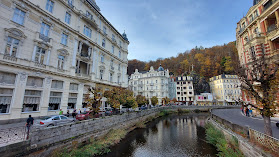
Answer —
(53, 50)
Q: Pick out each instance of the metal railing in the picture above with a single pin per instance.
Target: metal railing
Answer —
(44, 38)
(271, 28)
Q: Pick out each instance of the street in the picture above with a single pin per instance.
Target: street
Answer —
(235, 116)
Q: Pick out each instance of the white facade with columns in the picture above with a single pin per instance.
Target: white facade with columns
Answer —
(52, 51)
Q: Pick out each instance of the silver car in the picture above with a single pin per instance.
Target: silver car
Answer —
(54, 120)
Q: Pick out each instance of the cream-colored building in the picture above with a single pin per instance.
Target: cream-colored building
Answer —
(52, 51)
(184, 89)
(150, 83)
(225, 89)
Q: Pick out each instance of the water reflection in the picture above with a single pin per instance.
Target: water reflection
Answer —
(173, 136)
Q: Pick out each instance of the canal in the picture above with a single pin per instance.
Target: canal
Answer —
(171, 136)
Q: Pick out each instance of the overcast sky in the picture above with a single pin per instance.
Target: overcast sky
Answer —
(164, 28)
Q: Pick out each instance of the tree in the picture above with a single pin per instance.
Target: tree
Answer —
(94, 99)
(260, 80)
(166, 100)
(118, 96)
(141, 100)
(154, 100)
(174, 100)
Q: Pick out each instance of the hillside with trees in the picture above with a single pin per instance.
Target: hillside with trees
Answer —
(206, 62)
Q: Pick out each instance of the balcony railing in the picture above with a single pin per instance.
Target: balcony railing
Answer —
(89, 18)
(44, 38)
(271, 28)
(268, 5)
(10, 58)
(40, 65)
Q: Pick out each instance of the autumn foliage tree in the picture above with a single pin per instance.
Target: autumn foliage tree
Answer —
(141, 100)
(260, 80)
(93, 99)
(166, 100)
(154, 100)
(119, 96)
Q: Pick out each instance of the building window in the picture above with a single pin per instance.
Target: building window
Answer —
(61, 62)
(70, 2)
(19, 16)
(118, 79)
(104, 30)
(73, 87)
(11, 47)
(31, 100)
(7, 78)
(72, 100)
(87, 31)
(40, 55)
(110, 77)
(253, 53)
(111, 65)
(119, 66)
(5, 99)
(177, 83)
(120, 44)
(101, 74)
(64, 39)
(112, 49)
(54, 100)
(113, 37)
(45, 29)
(49, 5)
(104, 43)
(102, 58)
(119, 54)
(190, 87)
(55, 84)
(68, 18)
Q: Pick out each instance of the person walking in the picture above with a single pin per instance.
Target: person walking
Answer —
(29, 123)
(79, 111)
(68, 113)
(60, 112)
(247, 112)
(251, 112)
(74, 113)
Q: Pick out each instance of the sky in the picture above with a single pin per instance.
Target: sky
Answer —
(164, 28)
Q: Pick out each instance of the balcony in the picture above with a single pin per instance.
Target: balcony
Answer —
(268, 5)
(10, 58)
(44, 38)
(89, 19)
(271, 28)
(39, 65)
(151, 84)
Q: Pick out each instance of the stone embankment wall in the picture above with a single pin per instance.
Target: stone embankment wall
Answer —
(44, 142)
(231, 130)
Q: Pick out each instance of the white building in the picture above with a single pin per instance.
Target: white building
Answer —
(150, 83)
(204, 99)
(52, 51)
(184, 89)
(225, 89)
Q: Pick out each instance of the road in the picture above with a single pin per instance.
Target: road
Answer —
(235, 116)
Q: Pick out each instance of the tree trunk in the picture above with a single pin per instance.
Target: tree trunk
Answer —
(267, 126)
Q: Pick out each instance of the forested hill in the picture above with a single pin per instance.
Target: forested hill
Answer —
(207, 62)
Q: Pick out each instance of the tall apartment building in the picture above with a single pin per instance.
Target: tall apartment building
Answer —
(257, 34)
(52, 51)
(150, 83)
(225, 89)
(184, 89)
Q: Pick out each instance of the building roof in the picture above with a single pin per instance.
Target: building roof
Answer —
(160, 68)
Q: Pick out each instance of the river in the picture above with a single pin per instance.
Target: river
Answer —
(171, 136)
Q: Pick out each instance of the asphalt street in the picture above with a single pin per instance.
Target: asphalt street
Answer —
(235, 116)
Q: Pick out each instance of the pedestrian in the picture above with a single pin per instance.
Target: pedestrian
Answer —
(251, 112)
(84, 109)
(29, 123)
(247, 112)
(68, 113)
(74, 113)
(79, 111)
(60, 112)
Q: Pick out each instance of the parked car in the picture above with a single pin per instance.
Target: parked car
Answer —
(108, 112)
(277, 124)
(54, 120)
(83, 116)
